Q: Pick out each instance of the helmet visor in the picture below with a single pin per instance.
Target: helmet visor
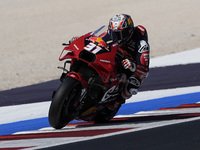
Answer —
(120, 35)
(116, 35)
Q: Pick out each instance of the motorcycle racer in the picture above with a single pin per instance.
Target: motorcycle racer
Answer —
(133, 40)
(104, 71)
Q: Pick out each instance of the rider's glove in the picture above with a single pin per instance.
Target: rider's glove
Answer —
(127, 64)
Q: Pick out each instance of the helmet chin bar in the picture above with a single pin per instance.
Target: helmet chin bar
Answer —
(121, 36)
(118, 35)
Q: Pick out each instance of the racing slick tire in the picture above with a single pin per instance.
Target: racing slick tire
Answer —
(61, 110)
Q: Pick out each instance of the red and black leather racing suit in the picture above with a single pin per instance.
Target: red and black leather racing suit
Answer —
(137, 46)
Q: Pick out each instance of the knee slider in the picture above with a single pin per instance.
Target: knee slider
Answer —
(133, 85)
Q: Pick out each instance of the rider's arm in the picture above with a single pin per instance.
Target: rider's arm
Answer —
(142, 59)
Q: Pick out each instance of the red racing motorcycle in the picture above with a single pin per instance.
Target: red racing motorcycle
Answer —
(92, 83)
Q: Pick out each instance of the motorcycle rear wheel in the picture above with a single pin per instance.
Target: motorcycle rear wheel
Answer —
(105, 115)
(61, 111)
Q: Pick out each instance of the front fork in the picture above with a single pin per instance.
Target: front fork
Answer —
(65, 71)
(72, 74)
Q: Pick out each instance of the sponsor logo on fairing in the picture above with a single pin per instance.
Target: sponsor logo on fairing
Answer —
(76, 47)
(106, 61)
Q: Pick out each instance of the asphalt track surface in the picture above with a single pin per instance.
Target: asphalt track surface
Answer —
(159, 78)
(181, 136)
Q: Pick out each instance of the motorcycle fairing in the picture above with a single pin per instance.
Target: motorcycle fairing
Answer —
(104, 63)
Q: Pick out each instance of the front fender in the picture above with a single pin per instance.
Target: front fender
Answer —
(78, 77)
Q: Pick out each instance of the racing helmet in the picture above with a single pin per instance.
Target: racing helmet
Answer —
(121, 27)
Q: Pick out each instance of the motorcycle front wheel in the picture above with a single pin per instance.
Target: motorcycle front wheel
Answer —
(62, 109)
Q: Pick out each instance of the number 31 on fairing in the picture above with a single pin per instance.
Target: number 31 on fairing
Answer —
(93, 48)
